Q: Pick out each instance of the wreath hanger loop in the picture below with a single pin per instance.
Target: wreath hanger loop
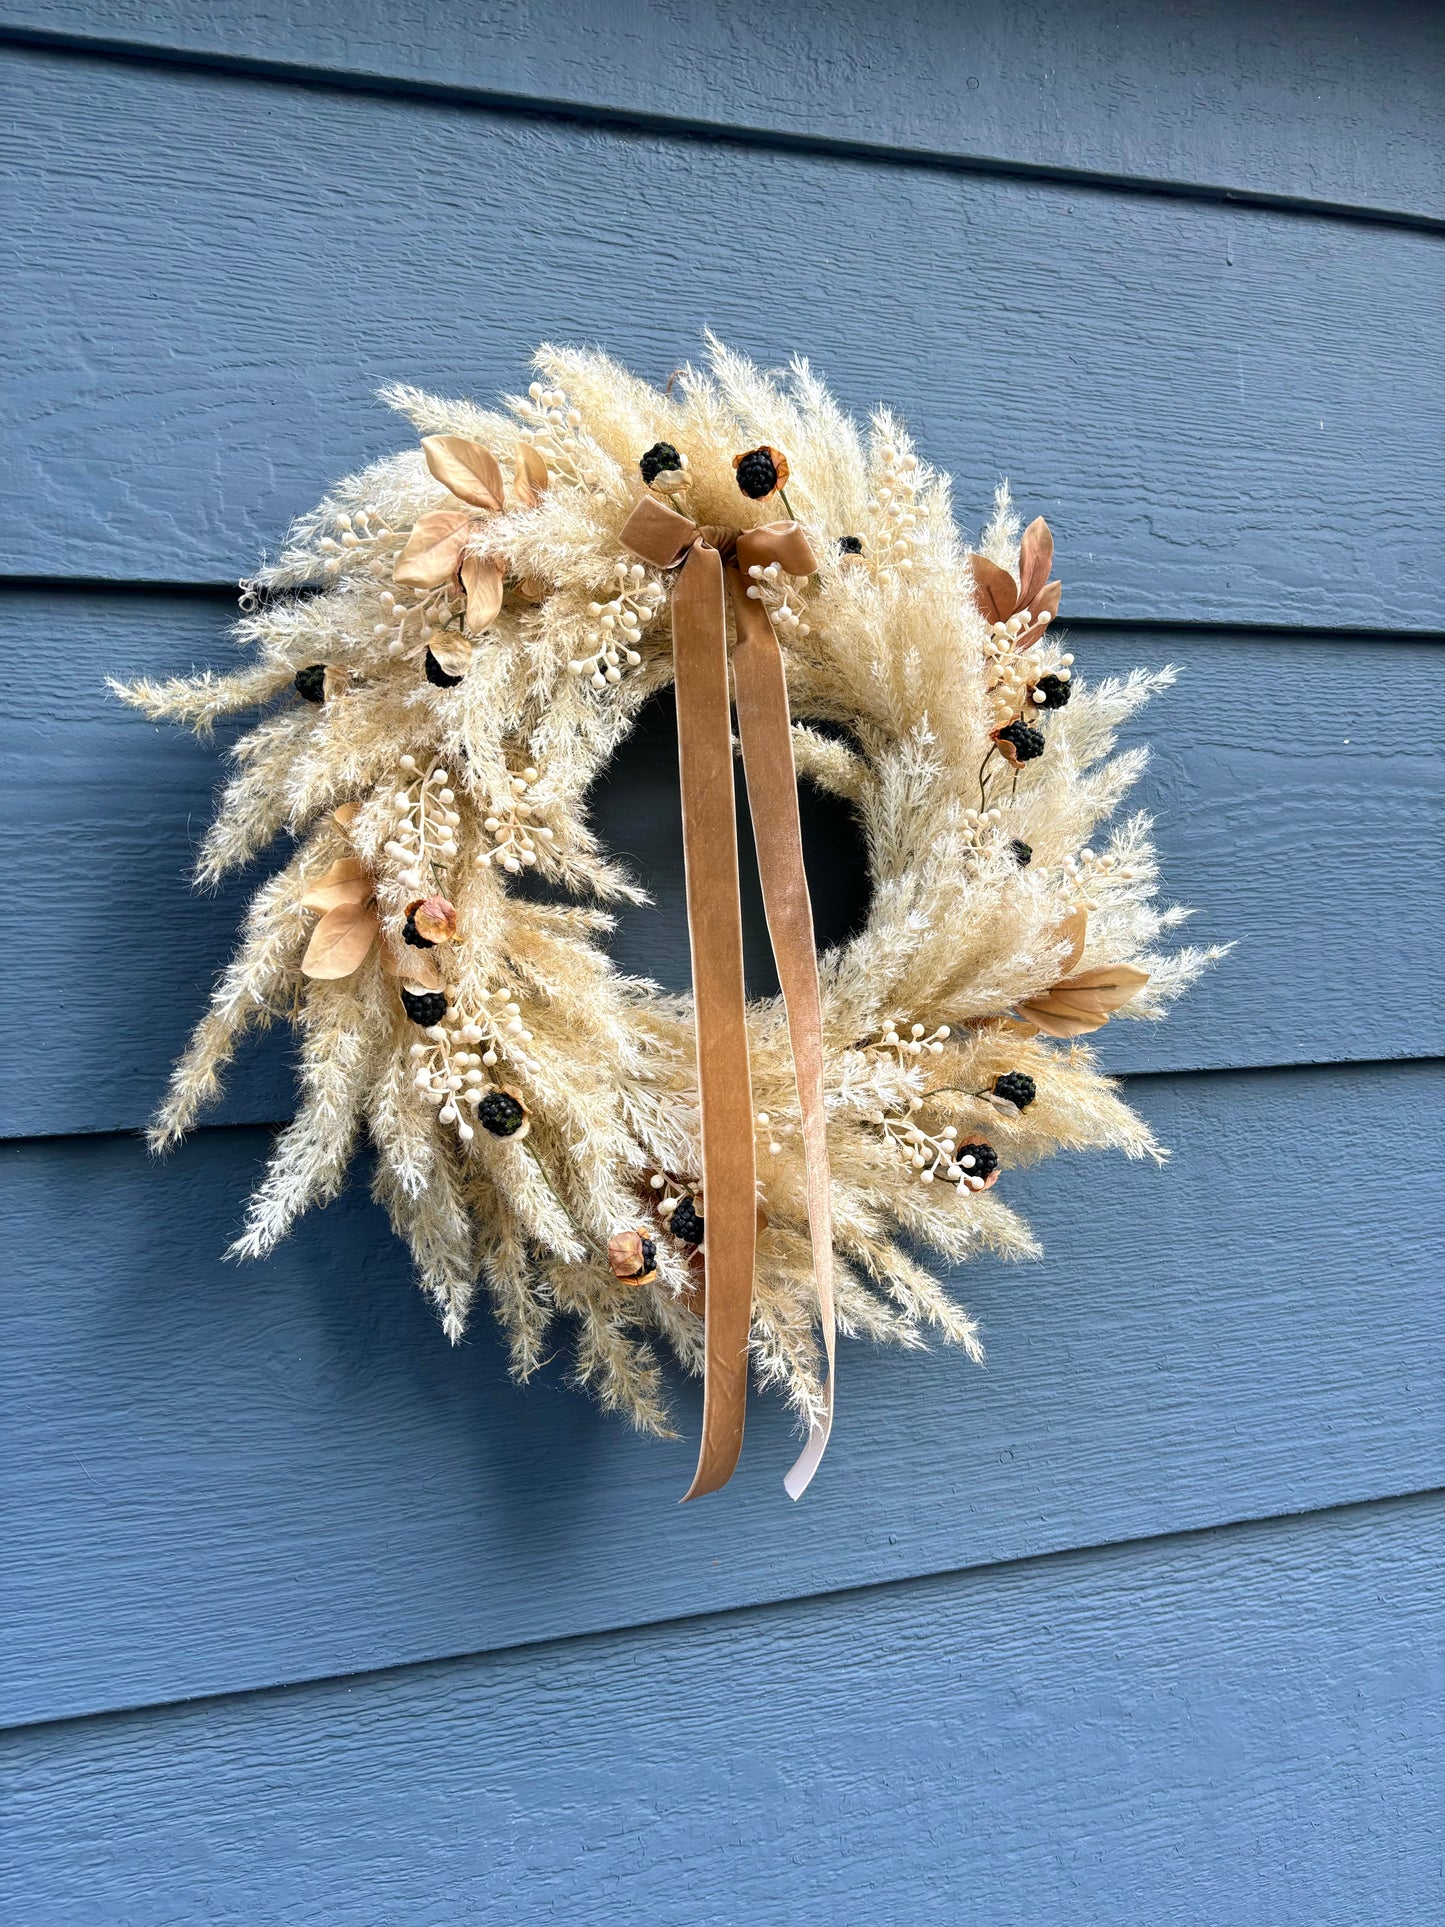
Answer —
(712, 559)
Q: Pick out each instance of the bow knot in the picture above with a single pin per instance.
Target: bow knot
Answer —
(712, 567)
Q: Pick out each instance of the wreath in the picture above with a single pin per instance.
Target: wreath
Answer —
(450, 649)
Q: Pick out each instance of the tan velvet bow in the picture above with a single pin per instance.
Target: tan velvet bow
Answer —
(715, 564)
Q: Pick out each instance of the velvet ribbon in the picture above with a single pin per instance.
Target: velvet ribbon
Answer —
(713, 571)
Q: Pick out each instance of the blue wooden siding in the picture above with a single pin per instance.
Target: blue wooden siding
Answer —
(307, 1617)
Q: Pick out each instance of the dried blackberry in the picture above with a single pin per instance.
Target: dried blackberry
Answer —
(760, 471)
(311, 682)
(979, 1160)
(1017, 1088)
(850, 545)
(501, 1114)
(658, 459)
(1020, 743)
(438, 676)
(425, 1007)
(410, 934)
(1050, 692)
(685, 1222)
(632, 1256)
(1023, 852)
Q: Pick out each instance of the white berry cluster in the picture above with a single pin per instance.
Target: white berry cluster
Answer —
(931, 1157)
(910, 1043)
(414, 618)
(510, 826)
(451, 1072)
(895, 489)
(1088, 871)
(781, 595)
(617, 626)
(353, 532)
(424, 827)
(552, 425)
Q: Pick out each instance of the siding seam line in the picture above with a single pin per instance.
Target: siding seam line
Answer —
(937, 1576)
(19, 1139)
(681, 127)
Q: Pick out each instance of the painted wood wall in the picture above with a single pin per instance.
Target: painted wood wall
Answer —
(308, 1618)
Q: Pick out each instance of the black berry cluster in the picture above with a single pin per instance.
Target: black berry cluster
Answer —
(1023, 853)
(850, 545)
(311, 682)
(984, 1159)
(658, 459)
(1016, 1087)
(685, 1222)
(425, 1007)
(501, 1114)
(1050, 692)
(413, 936)
(438, 676)
(1026, 743)
(757, 473)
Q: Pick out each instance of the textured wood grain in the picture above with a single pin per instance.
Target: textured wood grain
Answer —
(1196, 93)
(1226, 414)
(1233, 1727)
(218, 1477)
(1273, 763)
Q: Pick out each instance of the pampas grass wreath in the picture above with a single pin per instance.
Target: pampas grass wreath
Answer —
(448, 652)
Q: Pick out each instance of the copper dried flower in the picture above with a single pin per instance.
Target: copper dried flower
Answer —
(633, 1257)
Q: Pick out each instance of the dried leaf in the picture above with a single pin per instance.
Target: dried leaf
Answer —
(434, 552)
(331, 896)
(416, 969)
(1036, 554)
(529, 476)
(482, 581)
(1047, 601)
(1073, 931)
(453, 651)
(346, 814)
(341, 942)
(334, 683)
(1057, 1024)
(995, 590)
(471, 472)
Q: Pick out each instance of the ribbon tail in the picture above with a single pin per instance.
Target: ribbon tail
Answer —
(765, 729)
(714, 919)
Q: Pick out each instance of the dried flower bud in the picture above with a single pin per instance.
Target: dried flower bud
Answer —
(633, 1257)
(430, 920)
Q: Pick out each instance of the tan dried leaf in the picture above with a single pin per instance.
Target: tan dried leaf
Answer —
(995, 590)
(341, 942)
(482, 579)
(345, 882)
(1036, 555)
(529, 476)
(1073, 931)
(434, 551)
(471, 472)
(346, 814)
(416, 969)
(453, 651)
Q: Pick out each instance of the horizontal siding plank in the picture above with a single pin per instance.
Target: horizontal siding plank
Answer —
(1191, 95)
(1228, 414)
(1230, 1726)
(1272, 764)
(217, 1478)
